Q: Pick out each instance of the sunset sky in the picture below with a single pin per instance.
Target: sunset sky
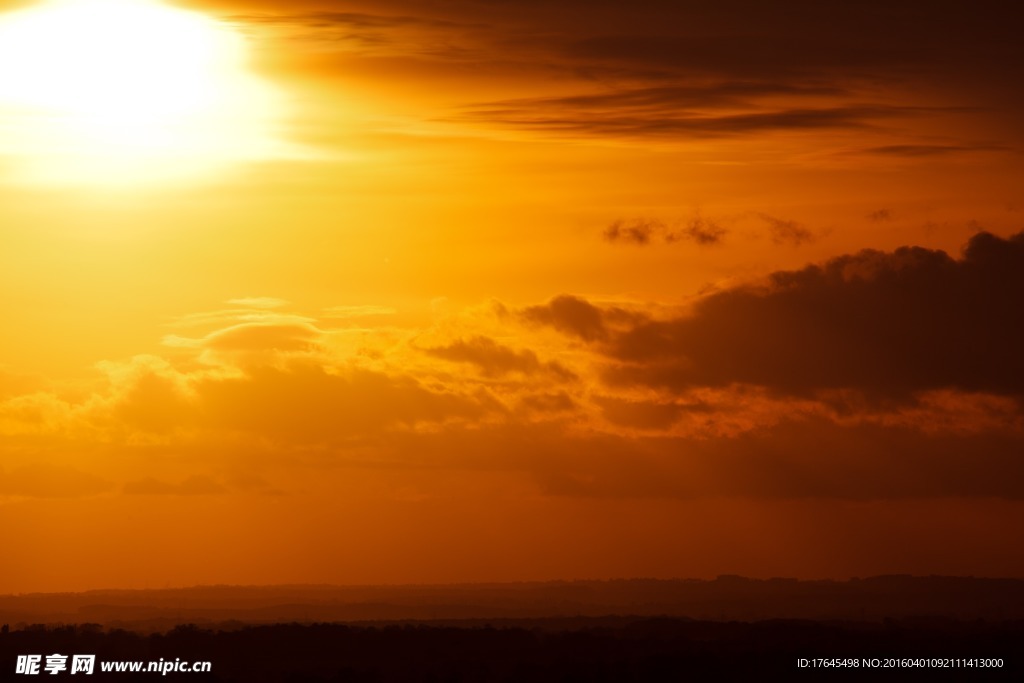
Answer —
(499, 290)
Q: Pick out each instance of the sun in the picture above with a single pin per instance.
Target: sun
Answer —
(118, 90)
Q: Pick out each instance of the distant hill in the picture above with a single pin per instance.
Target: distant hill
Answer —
(724, 598)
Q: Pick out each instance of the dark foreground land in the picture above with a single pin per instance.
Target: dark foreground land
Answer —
(898, 628)
(638, 649)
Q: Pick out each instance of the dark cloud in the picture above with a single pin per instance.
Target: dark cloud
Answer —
(930, 150)
(701, 231)
(688, 32)
(784, 231)
(635, 231)
(792, 41)
(668, 98)
(580, 318)
(879, 216)
(571, 315)
(496, 360)
(773, 41)
(685, 125)
(887, 324)
(683, 70)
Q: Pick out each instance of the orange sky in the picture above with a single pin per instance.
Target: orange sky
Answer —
(481, 291)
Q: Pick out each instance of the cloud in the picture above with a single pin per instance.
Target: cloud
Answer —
(687, 125)
(674, 98)
(636, 231)
(148, 395)
(699, 230)
(225, 317)
(641, 231)
(578, 317)
(798, 38)
(376, 32)
(805, 385)
(306, 403)
(496, 360)
(40, 412)
(889, 324)
(786, 231)
(297, 403)
(572, 315)
(288, 399)
(656, 71)
(711, 109)
(912, 151)
(254, 342)
(261, 337)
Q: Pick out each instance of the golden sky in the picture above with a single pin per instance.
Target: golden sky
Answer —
(455, 290)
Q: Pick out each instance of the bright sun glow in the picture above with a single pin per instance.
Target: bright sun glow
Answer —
(124, 90)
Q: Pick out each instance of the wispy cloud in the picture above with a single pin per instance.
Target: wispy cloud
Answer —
(682, 125)
(783, 231)
(914, 151)
(258, 302)
(642, 231)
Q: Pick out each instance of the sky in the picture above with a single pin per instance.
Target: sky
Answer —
(471, 291)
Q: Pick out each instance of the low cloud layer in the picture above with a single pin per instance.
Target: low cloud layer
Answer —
(806, 384)
(885, 324)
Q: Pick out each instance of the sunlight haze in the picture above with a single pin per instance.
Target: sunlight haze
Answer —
(468, 291)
